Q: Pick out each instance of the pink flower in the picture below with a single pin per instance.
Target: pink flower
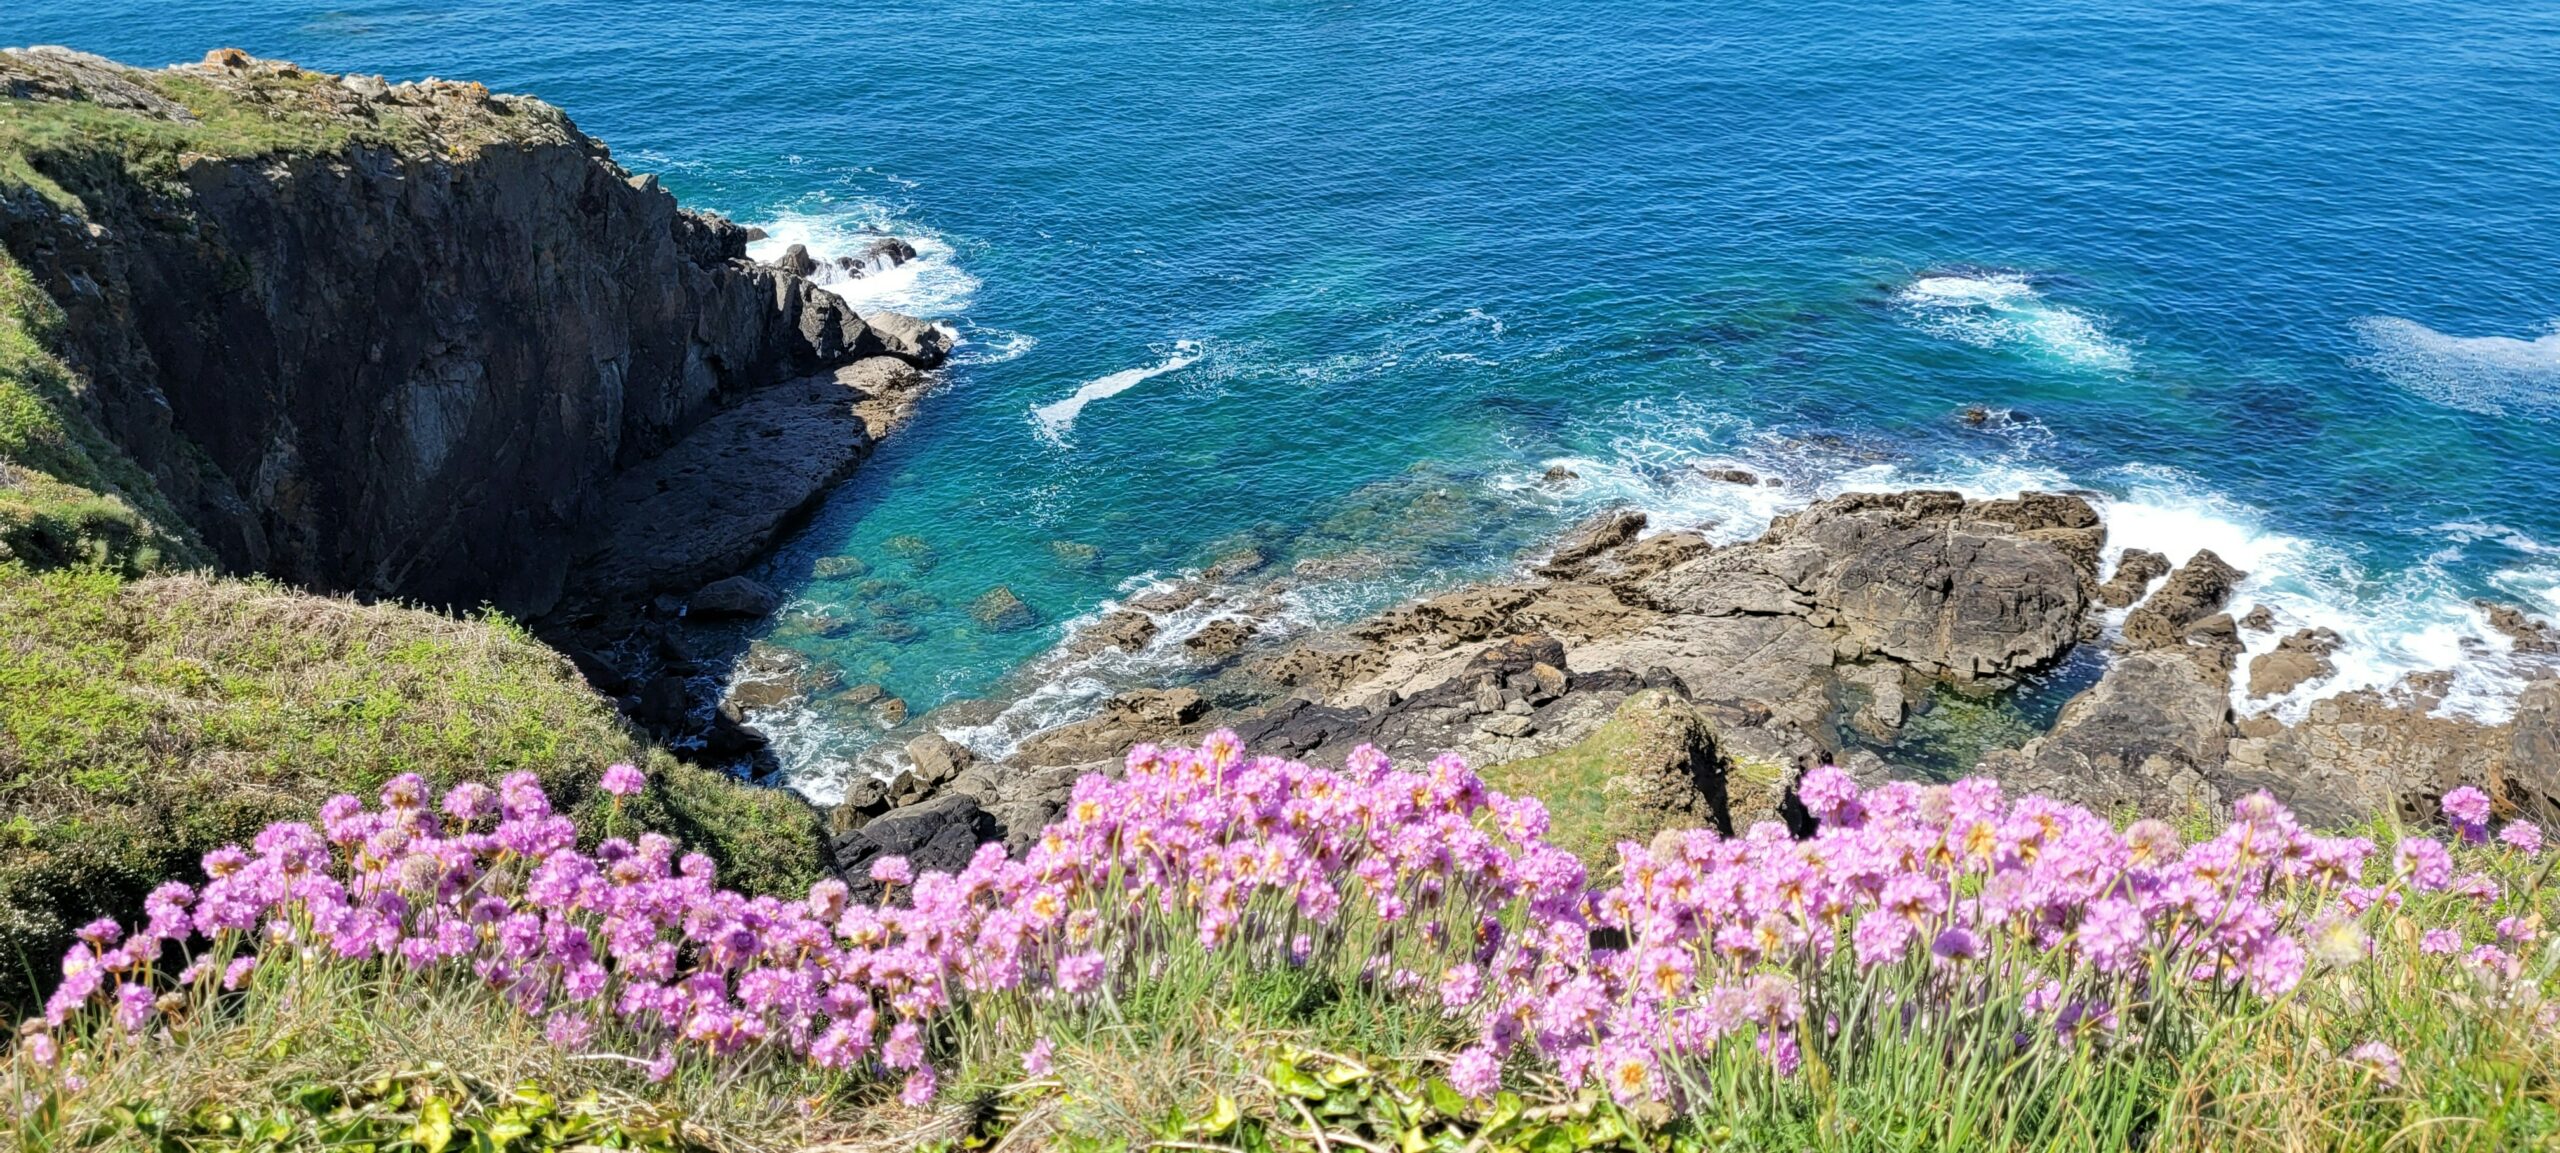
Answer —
(2467, 806)
(2381, 1059)
(2522, 836)
(2440, 942)
(1476, 1072)
(1036, 1061)
(892, 871)
(623, 780)
(1828, 793)
(41, 1050)
(2425, 862)
(919, 1088)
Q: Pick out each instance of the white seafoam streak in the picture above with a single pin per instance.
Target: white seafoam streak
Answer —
(1059, 416)
(2003, 309)
(2491, 375)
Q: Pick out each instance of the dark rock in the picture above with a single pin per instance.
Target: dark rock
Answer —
(938, 835)
(1729, 475)
(735, 596)
(2134, 574)
(1003, 612)
(1521, 654)
(1558, 474)
(2260, 619)
(2529, 635)
(664, 703)
(2151, 735)
(1174, 599)
(889, 249)
(797, 261)
(600, 673)
(727, 738)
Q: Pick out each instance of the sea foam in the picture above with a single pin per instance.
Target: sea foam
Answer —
(931, 284)
(2004, 310)
(1059, 416)
(2493, 375)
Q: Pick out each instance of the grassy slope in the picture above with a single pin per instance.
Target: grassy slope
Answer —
(143, 722)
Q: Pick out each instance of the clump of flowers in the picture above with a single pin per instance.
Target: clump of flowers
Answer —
(1911, 905)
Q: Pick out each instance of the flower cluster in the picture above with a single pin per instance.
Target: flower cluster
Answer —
(1422, 882)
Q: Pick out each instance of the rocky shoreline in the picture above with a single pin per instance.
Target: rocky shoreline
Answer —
(1825, 639)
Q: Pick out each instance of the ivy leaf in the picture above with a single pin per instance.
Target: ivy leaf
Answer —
(434, 1130)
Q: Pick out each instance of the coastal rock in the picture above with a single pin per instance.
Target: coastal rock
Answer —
(2260, 619)
(2529, 635)
(1218, 639)
(2198, 589)
(735, 596)
(2133, 576)
(1242, 562)
(2152, 735)
(1001, 611)
(2533, 751)
(1131, 718)
(797, 261)
(939, 834)
(1730, 475)
(1598, 535)
(918, 342)
(937, 759)
(1125, 629)
(2369, 751)
(2297, 659)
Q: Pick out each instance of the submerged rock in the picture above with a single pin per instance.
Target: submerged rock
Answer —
(1001, 611)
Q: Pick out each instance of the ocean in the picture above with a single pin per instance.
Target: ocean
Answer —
(1342, 282)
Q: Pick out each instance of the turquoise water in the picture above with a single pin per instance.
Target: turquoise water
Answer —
(1342, 280)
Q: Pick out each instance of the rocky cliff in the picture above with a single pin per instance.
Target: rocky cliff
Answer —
(421, 340)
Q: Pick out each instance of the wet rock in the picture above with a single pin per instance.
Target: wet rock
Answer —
(1558, 474)
(1219, 638)
(2134, 574)
(2198, 589)
(896, 632)
(1001, 611)
(1729, 475)
(1595, 536)
(797, 261)
(2529, 635)
(890, 712)
(1124, 629)
(736, 596)
(888, 250)
(1174, 599)
(2297, 659)
(2260, 619)
(862, 694)
(1074, 554)
(917, 342)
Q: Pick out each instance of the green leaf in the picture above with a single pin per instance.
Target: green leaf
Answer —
(434, 1130)
(1445, 1098)
(1294, 1081)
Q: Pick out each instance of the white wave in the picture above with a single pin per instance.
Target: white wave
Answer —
(2485, 374)
(1057, 417)
(930, 285)
(2003, 309)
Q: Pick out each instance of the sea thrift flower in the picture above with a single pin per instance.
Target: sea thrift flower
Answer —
(2522, 836)
(622, 780)
(1476, 1072)
(1828, 793)
(1037, 1059)
(2440, 942)
(2381, 1059)
(2468, 809)
(892, 871)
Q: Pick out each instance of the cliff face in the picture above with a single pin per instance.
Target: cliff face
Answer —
(390, 340)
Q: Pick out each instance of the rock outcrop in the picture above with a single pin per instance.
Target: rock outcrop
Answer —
(441, 347)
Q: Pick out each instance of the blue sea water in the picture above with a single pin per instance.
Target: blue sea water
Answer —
(1343, 280)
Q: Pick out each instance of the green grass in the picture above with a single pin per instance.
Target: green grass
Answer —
(144, 722)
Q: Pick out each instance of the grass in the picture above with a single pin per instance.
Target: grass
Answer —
(144, 722)
(1594, 802)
